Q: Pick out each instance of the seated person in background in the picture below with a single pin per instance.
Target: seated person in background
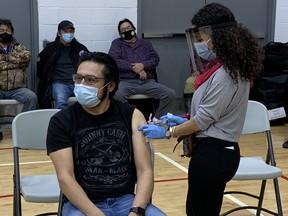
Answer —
(96, 148)
(206, 59)
(14, 60)
(55, 66)
(189, 89)
(137, 61)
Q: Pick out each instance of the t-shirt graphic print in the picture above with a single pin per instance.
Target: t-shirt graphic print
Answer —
(103, 156)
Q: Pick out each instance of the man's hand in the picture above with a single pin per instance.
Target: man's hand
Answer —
(137, 67)
(153, 131)
(142, 75)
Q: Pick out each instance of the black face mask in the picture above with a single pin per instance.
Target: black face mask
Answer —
(128, 35)
(6, 38)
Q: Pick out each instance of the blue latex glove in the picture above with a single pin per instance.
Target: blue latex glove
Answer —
(153, 131)
(172, 120)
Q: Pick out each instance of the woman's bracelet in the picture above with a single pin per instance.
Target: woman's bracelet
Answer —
(173, 132)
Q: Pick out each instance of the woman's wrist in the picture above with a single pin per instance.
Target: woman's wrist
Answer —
(172, 130)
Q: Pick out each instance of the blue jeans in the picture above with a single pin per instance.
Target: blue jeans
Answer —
(61, 93)
(119, 206)
(24, 95)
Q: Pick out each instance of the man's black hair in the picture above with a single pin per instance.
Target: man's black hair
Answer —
(110, 72)
(7, 22)
(125, 20)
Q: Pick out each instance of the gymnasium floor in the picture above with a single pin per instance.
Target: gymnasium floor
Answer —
(170, 176)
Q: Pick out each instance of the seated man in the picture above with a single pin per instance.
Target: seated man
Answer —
(96, 148)
(14, 60)
(137, 61)
(55, 66)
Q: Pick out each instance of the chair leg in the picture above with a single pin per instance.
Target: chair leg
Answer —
(17, 210)
(14, 202)
(261, 197)
(277, 195)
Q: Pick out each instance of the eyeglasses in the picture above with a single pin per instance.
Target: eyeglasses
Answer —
(8, 31)
(89, 79)
(128, 28)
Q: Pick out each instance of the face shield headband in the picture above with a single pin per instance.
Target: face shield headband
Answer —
(198, 38)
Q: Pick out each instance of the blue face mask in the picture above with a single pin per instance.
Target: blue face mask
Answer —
(68, 37)
(204, 52)
(86, 95)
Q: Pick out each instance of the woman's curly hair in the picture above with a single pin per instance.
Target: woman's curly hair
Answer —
(235, 46)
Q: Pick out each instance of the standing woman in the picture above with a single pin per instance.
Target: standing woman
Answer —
(218, 107)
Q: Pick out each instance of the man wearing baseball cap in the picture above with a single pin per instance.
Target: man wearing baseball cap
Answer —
(56, 64)
(65, 24)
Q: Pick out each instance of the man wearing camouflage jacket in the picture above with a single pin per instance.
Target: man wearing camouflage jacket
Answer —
(14, 60)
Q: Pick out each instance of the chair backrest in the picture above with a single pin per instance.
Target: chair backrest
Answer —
(257, 119)
(29, 129)
(9, 102)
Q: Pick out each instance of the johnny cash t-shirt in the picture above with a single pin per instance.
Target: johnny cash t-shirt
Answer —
(102, 148)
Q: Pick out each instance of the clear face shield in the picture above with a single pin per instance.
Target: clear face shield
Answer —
(201, 55)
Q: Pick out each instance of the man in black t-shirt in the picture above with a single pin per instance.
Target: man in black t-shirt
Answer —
(96, 148)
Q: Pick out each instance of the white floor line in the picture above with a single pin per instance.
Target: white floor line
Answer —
(233, 199)
(238, 202)
(172, 162)
(25, 163)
